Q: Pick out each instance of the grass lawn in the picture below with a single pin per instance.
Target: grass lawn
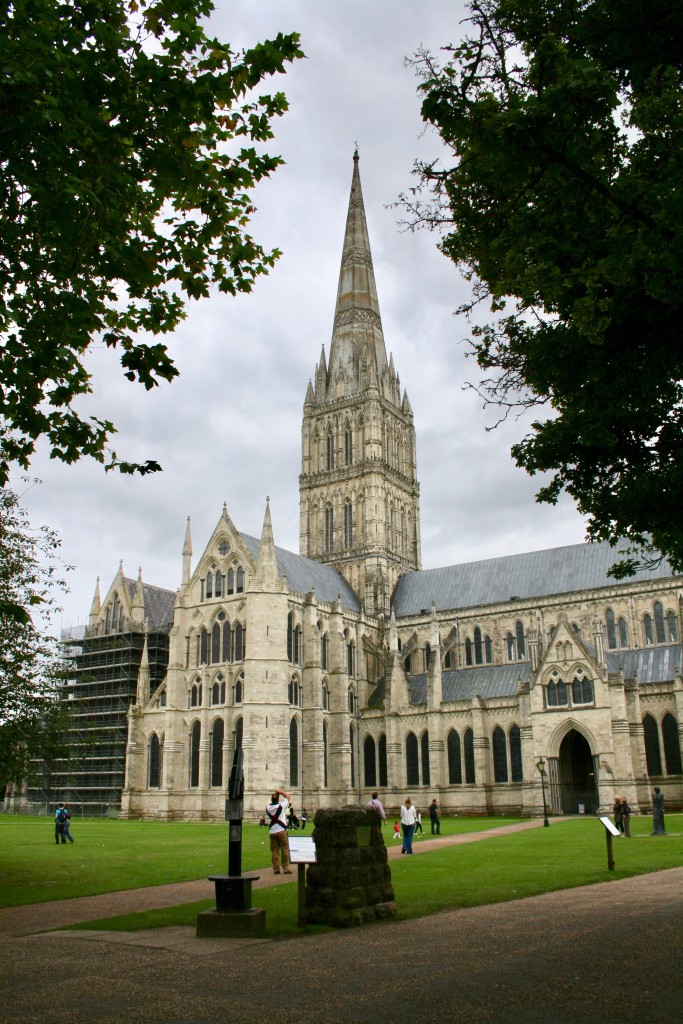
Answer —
(568, 854)
(110, 855)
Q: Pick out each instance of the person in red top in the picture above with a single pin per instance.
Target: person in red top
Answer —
(276, 812)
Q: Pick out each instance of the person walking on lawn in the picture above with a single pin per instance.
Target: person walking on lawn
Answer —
(434, 819)
(276, 812)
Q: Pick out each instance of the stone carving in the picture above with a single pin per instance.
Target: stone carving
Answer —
(359, 257)
(355, 315)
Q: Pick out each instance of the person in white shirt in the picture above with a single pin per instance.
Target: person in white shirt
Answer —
(276, 812)
(408, 825)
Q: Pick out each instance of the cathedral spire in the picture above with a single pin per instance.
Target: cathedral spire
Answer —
(357, 322)
(266, 569)
(187, 556)
(96, 604)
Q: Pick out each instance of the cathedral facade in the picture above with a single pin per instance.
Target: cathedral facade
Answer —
(347, 668)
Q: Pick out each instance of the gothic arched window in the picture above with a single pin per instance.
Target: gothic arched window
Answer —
(348, 524)
(454, 759)
(500, 758)
(382, 751)
(215, 643)
(326, 746)
(412, 760)
(623, 632)
(611, 629)
(329, 528)
(660, 632)
(154, 775)
(648, 630)
(515, 738)
(520, 640)
(240, 633)
(672, 745)
(293, 752)
(424, 752)
(653, 755)
(468, 743)
(672, 627)
(227, 641)
(369, 761)
(195, 737)
(216, 753)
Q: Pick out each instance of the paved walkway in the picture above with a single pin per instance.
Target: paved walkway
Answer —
(608, 952)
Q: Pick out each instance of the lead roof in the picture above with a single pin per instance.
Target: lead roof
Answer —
(499, 580)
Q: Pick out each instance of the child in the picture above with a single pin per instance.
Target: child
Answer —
(397, 830)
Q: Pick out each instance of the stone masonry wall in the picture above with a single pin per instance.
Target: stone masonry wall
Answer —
(351, 882)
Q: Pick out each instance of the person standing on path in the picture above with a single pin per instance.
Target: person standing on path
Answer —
(408, 825)
(276, 812)
(376, 804)
(626, 817)
(434, 819)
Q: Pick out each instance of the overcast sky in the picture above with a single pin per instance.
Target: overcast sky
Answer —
(228, 429)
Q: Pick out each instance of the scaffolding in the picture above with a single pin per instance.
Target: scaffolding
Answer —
(100, 684)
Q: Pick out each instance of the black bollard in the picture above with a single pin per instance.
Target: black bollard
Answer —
(233, 813)
(234, 915)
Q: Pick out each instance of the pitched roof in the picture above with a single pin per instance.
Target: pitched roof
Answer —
(649, 664)
(485, 680)
(497, 580)
(158, 604)
(304, 575)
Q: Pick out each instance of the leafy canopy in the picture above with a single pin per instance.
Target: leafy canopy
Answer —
(562, 205)
(129, 143)
(31, 717)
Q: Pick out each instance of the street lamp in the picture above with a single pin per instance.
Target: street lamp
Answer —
(540, 764)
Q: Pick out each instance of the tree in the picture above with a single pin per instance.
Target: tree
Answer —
(31, 716)
(129, 143)
(562, 206)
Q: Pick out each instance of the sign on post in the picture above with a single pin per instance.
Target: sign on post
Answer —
(610, 830)
(302, 852)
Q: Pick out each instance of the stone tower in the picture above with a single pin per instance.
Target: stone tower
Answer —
(359, 494)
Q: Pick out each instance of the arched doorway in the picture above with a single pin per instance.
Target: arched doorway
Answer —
(573, 776)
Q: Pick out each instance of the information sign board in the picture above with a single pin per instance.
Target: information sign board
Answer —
(302, 850)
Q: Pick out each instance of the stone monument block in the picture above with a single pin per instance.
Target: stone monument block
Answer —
(351, 882)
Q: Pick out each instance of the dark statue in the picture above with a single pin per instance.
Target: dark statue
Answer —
(658, 813)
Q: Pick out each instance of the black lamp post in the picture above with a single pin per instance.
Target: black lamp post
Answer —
(540, 764)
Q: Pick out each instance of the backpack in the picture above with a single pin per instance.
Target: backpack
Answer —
(61, 815)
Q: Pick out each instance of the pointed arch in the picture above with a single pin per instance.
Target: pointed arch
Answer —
(216, 752)
(383, 767)
(412, 760)
(195, 739)
(293, 752)
(454, 758)
(154, 762)
(369, 762)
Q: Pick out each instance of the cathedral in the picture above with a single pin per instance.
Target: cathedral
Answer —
(495, 687)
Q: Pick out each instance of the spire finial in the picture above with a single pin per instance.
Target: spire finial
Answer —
(355, 151)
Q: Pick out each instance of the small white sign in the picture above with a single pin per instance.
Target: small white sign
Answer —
(302, 850)
(610, 826)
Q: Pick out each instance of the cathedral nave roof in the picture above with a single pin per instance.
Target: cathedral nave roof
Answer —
(498, 580)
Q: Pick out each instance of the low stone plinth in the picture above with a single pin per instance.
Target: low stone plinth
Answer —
(351, 882)
(222, 924)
